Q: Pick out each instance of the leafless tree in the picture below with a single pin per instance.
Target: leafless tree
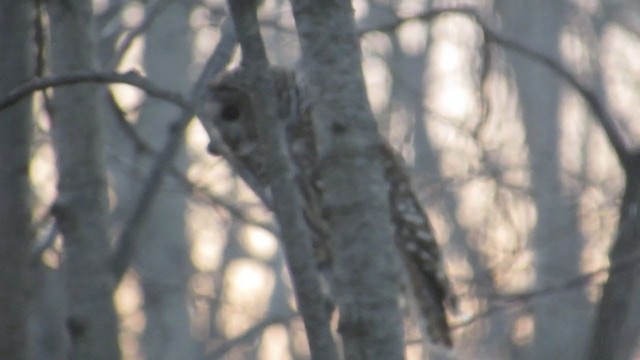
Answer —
(516, 120)
(81, 207)
(15, 209)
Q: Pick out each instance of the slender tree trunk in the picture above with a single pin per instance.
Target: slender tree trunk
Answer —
(615, 334)
(416, 68)
(162, 258)
(617, 322)
(15, 212)
(355, 192)
(287, 203)
(81, 209)
(48, 338)
(560, 319)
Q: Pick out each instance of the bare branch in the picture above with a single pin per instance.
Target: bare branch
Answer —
(151, 13)
(591, 278)
(287, 201)
(596, 105)
(249, 335)
(195, 190)
(248, 30)
(130, 77)
(126, 245)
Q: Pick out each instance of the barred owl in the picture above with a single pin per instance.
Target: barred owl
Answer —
(228, 107)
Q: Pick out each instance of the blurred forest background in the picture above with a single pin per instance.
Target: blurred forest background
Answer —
(498, 109)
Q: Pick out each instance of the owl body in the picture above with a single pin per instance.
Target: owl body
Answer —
(234, 117)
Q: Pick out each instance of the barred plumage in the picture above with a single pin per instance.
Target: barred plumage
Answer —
(229, 108)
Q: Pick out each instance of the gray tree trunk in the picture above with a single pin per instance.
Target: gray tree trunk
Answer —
(48, 338)
(162, 257)
(615, 335)
(81, 209)
(617, 323)
(408, 89)
(355, 192)
(560, 319)
(265, 97)
(15, 213)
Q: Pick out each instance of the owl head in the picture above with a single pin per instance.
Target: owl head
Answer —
(228, 108)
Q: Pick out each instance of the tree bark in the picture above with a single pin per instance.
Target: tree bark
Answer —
(81, 209)
(560, 328)
(15, 212)
(615, 334)
(287, 200)
(162, 259)
(48, 338)
(617, 322)
(354, 190)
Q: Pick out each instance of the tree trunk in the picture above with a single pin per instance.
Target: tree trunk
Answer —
(15, 213)
(560, 319)
(48, 338)
(354, 189)
(81, 209)
(616, 325)
(162, 257)
(616, 333)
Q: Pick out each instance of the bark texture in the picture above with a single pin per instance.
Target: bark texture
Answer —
(354, 189)
(15, 213)
(287, 201)
(162, 258)
(81, 209)
(617, 321)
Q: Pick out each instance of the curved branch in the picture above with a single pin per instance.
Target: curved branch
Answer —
(249, 335)
(592, 278)
(131, 78)
(599, 109)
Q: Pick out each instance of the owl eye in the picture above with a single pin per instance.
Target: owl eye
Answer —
(230, 112)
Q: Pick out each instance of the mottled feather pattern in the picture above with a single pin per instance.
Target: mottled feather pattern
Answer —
(414, 238)
(416, 241)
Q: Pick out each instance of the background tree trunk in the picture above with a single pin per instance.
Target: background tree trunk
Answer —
(615, 334)
(525, 193)
(162, 258)
(81, 209)
(15, 212)
(560, 330)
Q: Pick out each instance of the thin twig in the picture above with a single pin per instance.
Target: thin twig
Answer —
(145, 148)
(249, 335)
(586, 279)
(591, 98)
(126, 245)
(152, 10)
